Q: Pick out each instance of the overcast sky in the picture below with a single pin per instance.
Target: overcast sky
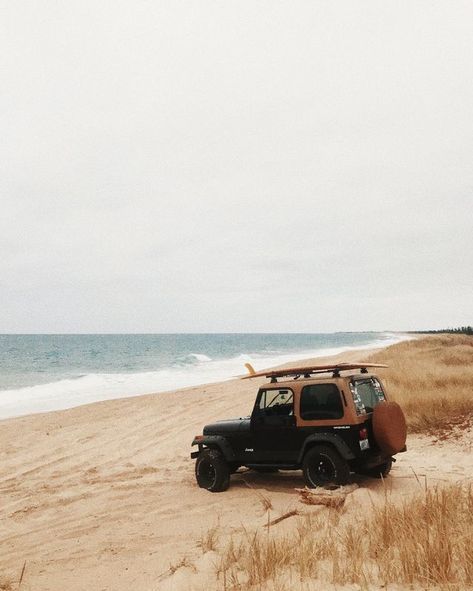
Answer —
(235, 165)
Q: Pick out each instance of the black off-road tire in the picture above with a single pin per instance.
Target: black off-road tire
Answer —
(380, 471)
(323, 465)
(212, 471)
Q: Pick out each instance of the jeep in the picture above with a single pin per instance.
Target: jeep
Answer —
(327, 420)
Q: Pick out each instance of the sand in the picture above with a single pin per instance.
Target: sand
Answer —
(103, 496)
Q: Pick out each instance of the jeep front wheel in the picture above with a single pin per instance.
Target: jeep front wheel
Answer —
(212, 471)
(323, 465)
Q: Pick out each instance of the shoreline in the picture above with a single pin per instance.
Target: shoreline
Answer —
(349, 355)
(74, 392)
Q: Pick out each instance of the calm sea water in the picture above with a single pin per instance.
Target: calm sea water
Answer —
(48, 372)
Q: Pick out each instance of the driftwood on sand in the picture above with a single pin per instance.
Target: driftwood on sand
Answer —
(292, 513)
(329, 497)
(323, 496)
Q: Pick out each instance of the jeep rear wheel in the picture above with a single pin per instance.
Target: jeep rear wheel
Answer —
(212, 471)
(323, 465)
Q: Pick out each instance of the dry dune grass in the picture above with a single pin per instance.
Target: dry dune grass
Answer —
(432, 379)
(426, 541)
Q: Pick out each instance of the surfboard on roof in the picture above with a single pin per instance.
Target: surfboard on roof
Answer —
(308, 370)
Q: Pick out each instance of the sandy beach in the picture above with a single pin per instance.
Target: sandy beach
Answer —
(103, 496)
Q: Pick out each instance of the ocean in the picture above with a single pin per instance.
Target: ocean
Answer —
(39, 373)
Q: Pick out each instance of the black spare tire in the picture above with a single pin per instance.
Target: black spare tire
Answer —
(212, 471)
(389, 427)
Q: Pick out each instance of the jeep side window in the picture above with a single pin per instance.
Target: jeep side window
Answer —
(321, 401)
(367, 394)
(276, 401)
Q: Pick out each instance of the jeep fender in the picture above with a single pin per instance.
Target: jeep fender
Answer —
(215, 442)
(332, 439)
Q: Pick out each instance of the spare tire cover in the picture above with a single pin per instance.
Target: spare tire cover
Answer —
(389, 427)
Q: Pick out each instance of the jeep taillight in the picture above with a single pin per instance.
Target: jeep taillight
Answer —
(364, 442)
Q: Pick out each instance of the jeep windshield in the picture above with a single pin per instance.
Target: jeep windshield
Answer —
(367, 393)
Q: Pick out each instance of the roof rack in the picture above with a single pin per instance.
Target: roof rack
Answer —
(309, 370)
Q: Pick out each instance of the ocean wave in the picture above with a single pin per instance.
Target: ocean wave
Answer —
(199, 357)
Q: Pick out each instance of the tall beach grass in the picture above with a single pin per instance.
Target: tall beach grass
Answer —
(426, 541)
(432, 379)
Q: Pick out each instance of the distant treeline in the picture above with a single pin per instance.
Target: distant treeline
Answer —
(459, 330)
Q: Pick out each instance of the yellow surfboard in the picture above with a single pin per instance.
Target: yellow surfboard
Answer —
(307, 370)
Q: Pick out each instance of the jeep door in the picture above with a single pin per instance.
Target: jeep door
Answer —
(273, 427)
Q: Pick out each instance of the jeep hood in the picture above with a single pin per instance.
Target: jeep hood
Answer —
(228, 426)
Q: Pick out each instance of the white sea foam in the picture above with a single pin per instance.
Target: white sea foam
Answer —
(199, 357)
(105, 386)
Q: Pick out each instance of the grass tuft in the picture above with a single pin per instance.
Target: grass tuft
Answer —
(182, 563)
(209, 540)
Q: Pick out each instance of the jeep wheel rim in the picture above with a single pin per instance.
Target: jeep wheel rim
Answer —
(323, 471)
(207, 473)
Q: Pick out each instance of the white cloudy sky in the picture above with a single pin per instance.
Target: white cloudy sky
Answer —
(253, 165)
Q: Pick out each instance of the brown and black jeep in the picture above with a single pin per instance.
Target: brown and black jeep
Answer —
(326, 420)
